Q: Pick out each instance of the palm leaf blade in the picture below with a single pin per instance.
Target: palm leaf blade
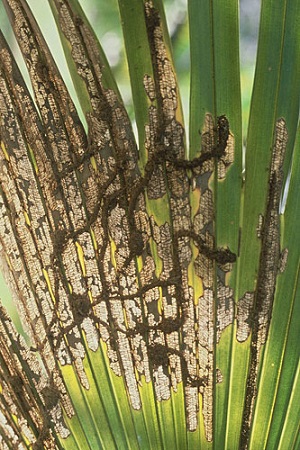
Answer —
(122, 257)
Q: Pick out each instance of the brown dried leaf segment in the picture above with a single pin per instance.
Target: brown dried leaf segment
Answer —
(26, 394)
(255, 309)
(82, 253)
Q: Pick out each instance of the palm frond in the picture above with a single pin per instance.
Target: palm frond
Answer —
(146, 273)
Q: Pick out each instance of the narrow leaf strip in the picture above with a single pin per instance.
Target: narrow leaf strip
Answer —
(28, 395)
(267, 275)
(215, 91)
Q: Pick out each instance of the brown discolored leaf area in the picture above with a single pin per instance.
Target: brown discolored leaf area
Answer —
(26, 394)
(255, 309)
